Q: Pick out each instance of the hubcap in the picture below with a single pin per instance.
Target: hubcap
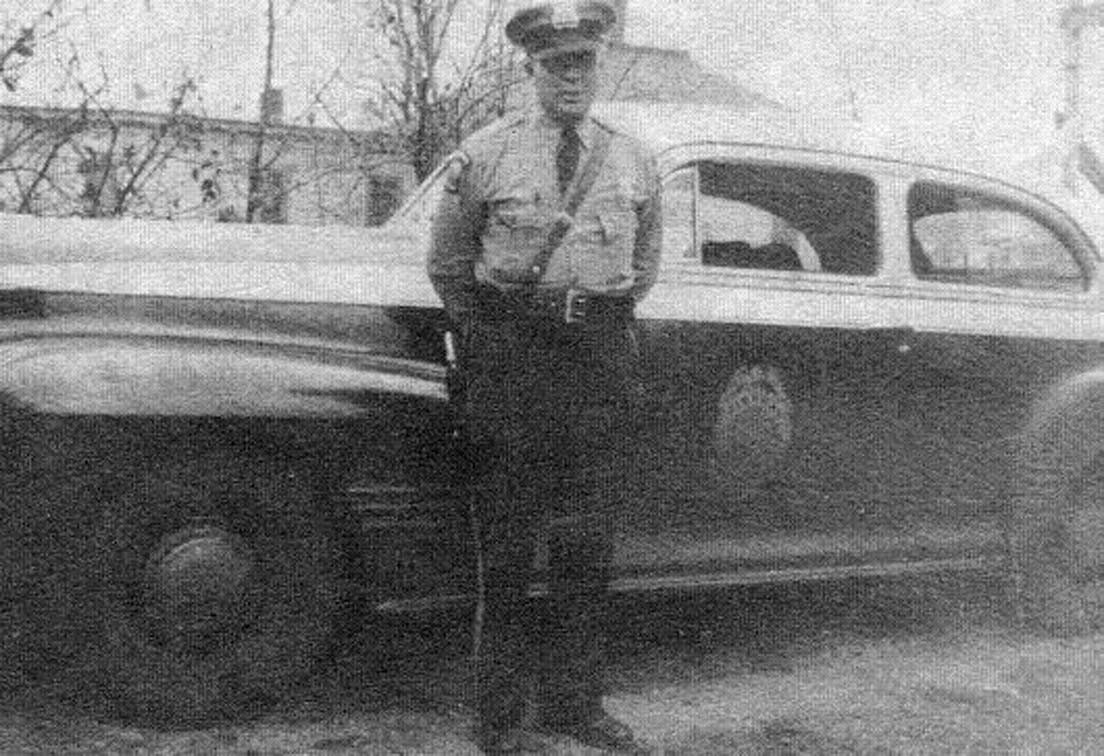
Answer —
(197, 585)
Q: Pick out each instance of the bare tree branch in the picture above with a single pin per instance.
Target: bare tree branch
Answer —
(155, 156)
(419, 91)
(100, 160)
(19, 41)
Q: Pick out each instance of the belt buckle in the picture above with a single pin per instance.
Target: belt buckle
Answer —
(575, 306)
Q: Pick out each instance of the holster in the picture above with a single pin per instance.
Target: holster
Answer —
(455, 379)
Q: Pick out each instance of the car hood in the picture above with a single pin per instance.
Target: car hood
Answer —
(333, 264)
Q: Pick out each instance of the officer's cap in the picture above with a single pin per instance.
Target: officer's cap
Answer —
(556, 26)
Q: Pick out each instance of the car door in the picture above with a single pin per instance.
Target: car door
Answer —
(772, 364)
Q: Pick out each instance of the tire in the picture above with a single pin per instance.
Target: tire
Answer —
(1057, 517)
(219, 586)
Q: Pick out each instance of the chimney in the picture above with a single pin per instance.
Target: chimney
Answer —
(272, 106)
(617, 34)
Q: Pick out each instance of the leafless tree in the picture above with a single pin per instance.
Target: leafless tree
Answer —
(330, 174)
(92, 159)
(33, 140)
(286, 164)
(24, 25)
(119, 169)
(433, 82)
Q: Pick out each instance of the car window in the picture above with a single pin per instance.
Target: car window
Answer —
(965, 236)
(769, 217)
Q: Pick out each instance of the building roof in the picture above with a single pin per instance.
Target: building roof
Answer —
(146, 119)
(655, 74)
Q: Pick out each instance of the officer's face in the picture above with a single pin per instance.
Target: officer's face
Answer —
(566, 83)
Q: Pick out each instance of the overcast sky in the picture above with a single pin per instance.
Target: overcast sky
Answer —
(977, 75)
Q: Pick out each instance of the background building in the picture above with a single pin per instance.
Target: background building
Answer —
(61, 161)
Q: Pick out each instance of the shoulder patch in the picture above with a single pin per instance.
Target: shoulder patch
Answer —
(459, 157)
(457, 164)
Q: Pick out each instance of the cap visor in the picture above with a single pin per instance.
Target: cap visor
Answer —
(562, 47)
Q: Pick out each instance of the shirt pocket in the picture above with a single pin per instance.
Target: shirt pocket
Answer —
(514, 238)
(520, 221)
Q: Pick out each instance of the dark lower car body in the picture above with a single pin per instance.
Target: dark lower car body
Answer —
(198, 495)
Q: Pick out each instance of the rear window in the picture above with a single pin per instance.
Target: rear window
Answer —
(969, 237)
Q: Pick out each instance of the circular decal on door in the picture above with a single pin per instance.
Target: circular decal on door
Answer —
(754, 425)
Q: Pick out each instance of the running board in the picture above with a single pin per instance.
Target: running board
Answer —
(988, 563)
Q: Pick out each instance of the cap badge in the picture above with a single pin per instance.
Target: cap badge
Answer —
(565, 16)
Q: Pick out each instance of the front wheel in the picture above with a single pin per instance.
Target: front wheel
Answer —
(219, 585)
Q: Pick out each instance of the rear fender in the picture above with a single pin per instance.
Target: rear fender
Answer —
(1060, 443)
(1066, 423)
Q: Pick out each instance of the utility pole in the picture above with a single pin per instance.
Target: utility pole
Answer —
(255, 192)
(621, 8)
(1076, 18)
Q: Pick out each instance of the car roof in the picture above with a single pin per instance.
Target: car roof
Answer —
(665, 126)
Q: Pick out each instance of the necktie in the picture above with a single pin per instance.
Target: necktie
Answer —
(567, 156)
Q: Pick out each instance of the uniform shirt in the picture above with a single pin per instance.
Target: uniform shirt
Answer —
(501, 198)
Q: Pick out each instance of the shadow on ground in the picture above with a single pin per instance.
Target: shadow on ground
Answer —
(404, 684)
(773, 628)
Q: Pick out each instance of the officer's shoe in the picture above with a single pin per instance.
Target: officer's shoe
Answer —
(513, 740)
(604, 733)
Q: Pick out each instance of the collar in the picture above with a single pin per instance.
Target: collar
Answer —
(541, 120)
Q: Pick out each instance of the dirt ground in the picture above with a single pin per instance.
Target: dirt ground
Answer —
(919, 665)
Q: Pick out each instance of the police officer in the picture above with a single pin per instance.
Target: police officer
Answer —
(547, 235)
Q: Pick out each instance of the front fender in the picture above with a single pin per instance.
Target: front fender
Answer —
(193, 376)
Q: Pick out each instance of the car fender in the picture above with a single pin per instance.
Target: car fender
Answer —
(1060, 441)
(1070, 406)
(85, 408)
(184, 374)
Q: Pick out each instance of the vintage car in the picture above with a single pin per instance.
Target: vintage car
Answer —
(220, 440)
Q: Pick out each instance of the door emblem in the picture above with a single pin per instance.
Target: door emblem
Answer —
(754, 426)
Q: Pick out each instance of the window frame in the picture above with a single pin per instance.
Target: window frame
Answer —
(687, 156)
(695, 188)
(1006, 197)
(892, 180)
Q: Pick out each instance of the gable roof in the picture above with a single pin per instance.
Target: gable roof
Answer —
(656, 74)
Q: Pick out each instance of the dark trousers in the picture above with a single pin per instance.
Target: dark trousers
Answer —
(551, 410)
